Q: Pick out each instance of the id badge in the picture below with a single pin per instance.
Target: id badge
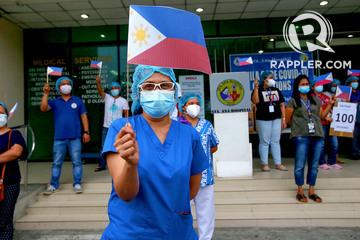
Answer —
(311, 127)
(271, 108)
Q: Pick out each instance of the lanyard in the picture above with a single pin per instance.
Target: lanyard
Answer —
(308, 108)
(268, 93)
(322, 98)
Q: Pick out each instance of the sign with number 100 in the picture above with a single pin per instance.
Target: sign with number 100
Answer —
(345, 118)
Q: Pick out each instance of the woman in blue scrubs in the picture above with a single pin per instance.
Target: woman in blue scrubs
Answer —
(155, 164)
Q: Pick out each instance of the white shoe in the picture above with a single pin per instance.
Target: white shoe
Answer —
(78, 188)
(50, 190)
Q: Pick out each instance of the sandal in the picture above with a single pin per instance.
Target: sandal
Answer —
(315, 198)
(99, 169)
(301, 198)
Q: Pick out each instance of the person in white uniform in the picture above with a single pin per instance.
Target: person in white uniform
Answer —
(115, 107)
(189, 105)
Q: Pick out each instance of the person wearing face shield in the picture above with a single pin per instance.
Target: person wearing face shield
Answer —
(155, 164)
(270, 119)
(317, 91)
(189, 105)
(12, 147)
(69, 112)
(353, 82)
(115, 106)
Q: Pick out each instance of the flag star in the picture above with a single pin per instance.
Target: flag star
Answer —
(131, 12)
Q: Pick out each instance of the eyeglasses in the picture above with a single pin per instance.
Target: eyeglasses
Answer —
(152, 86)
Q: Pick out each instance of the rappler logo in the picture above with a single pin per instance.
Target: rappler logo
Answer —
(324, 37)
(230, 92)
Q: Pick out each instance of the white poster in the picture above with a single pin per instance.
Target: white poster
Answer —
(194, 83)
(344, 116)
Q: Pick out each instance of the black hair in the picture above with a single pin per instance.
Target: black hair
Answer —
(296, 93)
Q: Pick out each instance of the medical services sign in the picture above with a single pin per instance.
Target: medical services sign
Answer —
(286, 66)
(230, 92)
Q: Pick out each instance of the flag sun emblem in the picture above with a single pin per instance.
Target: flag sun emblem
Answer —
(141, 35)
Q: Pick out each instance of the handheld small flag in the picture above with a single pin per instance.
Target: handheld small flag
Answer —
(353, 72)
(343, 92)
(166, 37)
(12, 110)
(96, 64)
(324, 79)
(54, 71)
(243, 61)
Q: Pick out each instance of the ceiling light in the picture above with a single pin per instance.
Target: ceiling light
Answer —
(261, 51)
(102, 35)
(199, 10)
(350, 36)
(323, 3)
(84, 15)
(271, 39)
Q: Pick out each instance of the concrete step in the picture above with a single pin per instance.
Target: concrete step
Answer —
(223, 219)
(238, 202)
(100, 207)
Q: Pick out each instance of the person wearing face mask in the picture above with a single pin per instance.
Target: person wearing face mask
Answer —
(304, 113)
(270, 119)
(189, 105)
(317, 91)
(69, 112)
(155, 164)
(12, 147)
(353, 82)
(115, 106)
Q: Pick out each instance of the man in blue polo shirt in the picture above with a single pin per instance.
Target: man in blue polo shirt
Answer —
(68, 111)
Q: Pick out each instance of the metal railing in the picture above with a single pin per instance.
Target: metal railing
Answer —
(27, 128)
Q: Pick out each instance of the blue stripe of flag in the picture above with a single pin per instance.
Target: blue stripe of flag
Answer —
(173, 23)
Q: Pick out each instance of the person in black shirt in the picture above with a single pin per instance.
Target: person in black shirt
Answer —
(12, 147)
(270, 119)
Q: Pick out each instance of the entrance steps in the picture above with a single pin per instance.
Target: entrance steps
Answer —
(238, 203)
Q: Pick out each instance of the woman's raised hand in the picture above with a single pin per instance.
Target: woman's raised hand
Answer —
(127, 146)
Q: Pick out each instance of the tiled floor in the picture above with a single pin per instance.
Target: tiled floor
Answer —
(40, 172)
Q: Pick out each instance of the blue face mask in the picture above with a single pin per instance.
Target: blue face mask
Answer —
(319, 89)
(115, 92)
(304, 89)
(3, 120)
(333, 89)
(157, 103)
(354, 85)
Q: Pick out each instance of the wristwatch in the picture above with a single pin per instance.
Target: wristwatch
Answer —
(87, 132)
(283, 119)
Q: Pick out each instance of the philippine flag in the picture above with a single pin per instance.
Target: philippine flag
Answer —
(353, 72)
(166, 37)
(12, 110)
(95, 64)
(243, 61)
(54, 71)
(343, 92)
(324, 79)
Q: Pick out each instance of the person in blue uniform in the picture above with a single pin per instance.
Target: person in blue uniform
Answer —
(155, 164)
(190, 105)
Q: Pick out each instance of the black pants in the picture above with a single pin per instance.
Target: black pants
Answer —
(7, 208)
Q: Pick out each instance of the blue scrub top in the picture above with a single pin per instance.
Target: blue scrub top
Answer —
(67, 117)
(164, 175)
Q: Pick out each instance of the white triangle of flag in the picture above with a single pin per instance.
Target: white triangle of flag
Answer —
(142, 35)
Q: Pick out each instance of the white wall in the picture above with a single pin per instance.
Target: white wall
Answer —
(12, 69)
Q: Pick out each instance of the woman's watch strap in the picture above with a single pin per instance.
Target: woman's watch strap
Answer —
(87, 132)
